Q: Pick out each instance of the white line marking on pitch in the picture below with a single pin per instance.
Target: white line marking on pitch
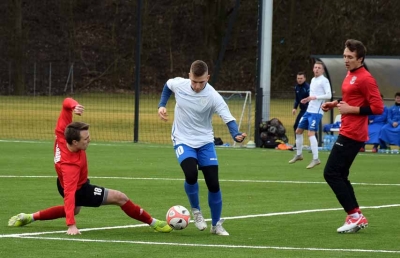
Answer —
(35, 235)
(221, 180)
(233, 217)
(219, 246)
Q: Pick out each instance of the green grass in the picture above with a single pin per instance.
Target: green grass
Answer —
(272, 209)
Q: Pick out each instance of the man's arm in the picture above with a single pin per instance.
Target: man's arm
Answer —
(234, 131)
(165, 95)
(65, 117)
(390, 117)
(327, 90)
(370, 90)
(296, 98)
(330, 105)
(71, 177)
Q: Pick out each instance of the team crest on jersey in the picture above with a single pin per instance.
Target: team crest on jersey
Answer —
(353, 80)
(203, 101)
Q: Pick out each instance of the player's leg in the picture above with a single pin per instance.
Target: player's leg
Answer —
(208, 163)
(303, 124)
(336, 174)
(187, 157)
(296, 124)
(94, 196)
(51, 213)
(313, 126)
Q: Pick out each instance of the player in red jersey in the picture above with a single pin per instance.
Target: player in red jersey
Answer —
(360, 98)
(72, 140)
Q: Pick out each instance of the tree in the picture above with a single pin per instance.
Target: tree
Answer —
(18, 51)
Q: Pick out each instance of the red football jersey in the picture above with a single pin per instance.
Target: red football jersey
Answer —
(359, 89)
(71, 167)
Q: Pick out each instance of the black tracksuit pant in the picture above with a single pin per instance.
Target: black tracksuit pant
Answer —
(337, 171)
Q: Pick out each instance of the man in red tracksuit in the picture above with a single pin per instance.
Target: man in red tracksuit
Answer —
(360, 98)
(72, 140)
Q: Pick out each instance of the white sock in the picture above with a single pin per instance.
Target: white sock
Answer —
(299, 144)
(314, 146)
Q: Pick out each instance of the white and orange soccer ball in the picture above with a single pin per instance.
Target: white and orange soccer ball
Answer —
(178, 217)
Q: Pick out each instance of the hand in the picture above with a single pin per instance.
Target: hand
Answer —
(162, 113)
(294, 111)
(308, 99)
(73, 230)
(240, 137)
(395, 124)
(78, 110)
(328, 106)
(344, 108)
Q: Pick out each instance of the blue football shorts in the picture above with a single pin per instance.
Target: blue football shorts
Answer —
(205, 155)
(310, 121)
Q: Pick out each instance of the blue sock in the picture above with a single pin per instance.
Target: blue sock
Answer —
(192, 192)
(215, 203)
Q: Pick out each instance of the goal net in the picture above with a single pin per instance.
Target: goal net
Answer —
(239, 103)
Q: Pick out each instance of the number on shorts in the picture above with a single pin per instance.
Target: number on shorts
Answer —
(179, 151)
(97, 191)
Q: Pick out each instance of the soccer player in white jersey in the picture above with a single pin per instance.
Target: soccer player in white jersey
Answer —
(320, 90)
(193, 138)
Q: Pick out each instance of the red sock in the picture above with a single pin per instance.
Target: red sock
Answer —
(355, 210)
(55, 212)
(134, 211)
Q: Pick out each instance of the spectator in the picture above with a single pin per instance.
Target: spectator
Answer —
(390, 132)
(302, 91)
(375, 124)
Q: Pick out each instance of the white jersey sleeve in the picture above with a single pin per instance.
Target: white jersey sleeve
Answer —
(321, 89)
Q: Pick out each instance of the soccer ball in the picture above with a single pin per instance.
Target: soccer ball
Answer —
(178, 217)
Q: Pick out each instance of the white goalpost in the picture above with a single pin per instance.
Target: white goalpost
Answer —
(239, 103)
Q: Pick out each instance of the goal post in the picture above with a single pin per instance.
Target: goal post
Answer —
(239, 103)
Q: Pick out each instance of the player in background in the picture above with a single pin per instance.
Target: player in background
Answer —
(302, 91)
(193, 139)
(360, 98)
(390, 132)
(320, 90)
(72, 140)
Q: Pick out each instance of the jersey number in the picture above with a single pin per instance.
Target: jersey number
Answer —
(97, 191)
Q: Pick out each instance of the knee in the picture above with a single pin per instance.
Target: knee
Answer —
(189, 167)
(329, 174)
(191, 177)
(116, 197)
